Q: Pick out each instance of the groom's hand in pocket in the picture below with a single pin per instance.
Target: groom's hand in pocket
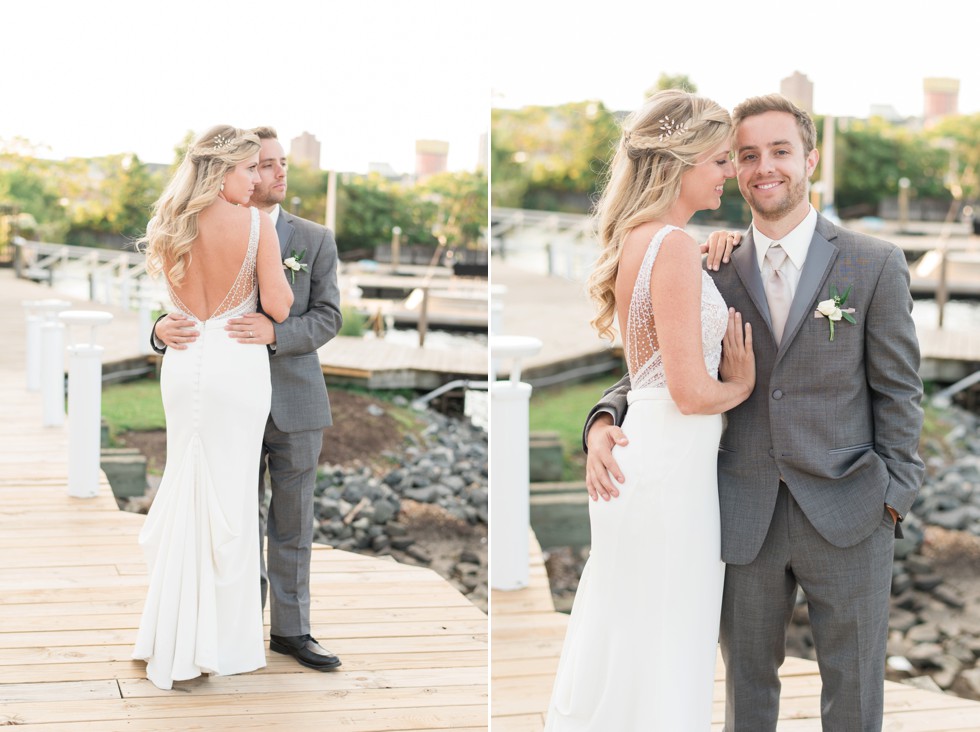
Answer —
(600, 466)
(254, 329)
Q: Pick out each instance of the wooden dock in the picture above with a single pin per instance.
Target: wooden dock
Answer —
(370, 363)
(526, 641)
(557, 311)
(73, 582)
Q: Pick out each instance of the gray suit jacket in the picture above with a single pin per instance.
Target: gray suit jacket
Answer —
(299, 394)
(838, 420)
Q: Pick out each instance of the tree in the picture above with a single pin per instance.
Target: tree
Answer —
(963, 132)
(872, 156)
(675, 81)
(461, 200)
(551, 158)
(117, 201)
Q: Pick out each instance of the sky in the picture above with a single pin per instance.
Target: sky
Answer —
(857, 53)
(367, 77)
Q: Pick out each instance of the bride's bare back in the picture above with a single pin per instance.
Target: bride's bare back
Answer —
(226, 265)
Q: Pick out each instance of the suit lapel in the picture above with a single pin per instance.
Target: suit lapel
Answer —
(819, 258)
(747, 267)
(284, 230)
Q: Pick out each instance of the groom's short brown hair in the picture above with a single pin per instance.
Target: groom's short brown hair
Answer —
(775, 103)
(265, 133)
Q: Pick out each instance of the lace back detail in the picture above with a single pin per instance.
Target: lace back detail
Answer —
(642, 348)
(242, 298)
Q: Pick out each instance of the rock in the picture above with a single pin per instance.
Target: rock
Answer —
(425, 494)
(464, 569)
(418, 553)
(901, 620)
(917, 564)
(384, 512)
(958, 650)
(950, 668)
(926, 582)
(468, 557)
(906, 601)
(956, 518)
(926, 655)
(395, 529)
(948, 595)
(923, 682)
(925, 633)
(971, 678)
(401, 542)
(901, 583)
(328, 508)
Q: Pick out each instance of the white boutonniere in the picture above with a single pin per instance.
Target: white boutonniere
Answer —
(833, 309)
(292, 263)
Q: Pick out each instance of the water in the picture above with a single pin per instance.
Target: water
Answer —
(957, 314)
(439, 340)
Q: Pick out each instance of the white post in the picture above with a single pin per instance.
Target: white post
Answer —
(510, 487)
(53, 373)
(84, 405)
(36, 313)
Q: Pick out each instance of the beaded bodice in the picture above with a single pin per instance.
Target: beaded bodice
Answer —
(643, 355)
(242, 298)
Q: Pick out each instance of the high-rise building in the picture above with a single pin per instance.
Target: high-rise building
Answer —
(799, 90)
(941, 99)
(430, 157)
(305, 150)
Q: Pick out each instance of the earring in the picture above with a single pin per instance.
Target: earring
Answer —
(222, 186)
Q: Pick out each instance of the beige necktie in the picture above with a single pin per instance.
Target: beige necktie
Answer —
(777, 290)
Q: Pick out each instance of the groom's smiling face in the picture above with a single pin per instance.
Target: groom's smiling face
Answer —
(271, 189)
(773, 170)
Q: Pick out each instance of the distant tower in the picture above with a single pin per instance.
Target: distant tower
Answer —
(799, 90)
(941, 99)
(430, 157)
(305, 150)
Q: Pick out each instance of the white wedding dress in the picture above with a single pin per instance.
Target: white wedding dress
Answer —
(640, 650)
(203, 612)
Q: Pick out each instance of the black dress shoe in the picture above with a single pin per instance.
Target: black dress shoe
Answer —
(306, 650)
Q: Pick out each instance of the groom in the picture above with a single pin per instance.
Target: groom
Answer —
(300, 408)
(818, 466)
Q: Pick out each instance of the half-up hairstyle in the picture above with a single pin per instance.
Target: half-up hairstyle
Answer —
(194, 187)
(670, 133)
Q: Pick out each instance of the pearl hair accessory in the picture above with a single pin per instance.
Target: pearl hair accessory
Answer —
(668, 127)
(220, 142)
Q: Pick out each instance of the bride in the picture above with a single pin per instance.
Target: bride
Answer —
(202, 612)
(640, 650)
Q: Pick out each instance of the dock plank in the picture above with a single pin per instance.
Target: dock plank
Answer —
(527, 636)
(73, 584)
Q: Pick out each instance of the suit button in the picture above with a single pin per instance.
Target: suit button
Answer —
(778, 394)
(772, 453)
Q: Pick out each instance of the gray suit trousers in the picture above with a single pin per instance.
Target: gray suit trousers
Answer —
(292, 463)
(847, 594)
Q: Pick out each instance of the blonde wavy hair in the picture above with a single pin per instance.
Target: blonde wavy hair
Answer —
(660, 141)
(194, 187)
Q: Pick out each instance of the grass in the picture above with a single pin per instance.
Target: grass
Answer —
(133, 405)
(563, 409)
(137, 406)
